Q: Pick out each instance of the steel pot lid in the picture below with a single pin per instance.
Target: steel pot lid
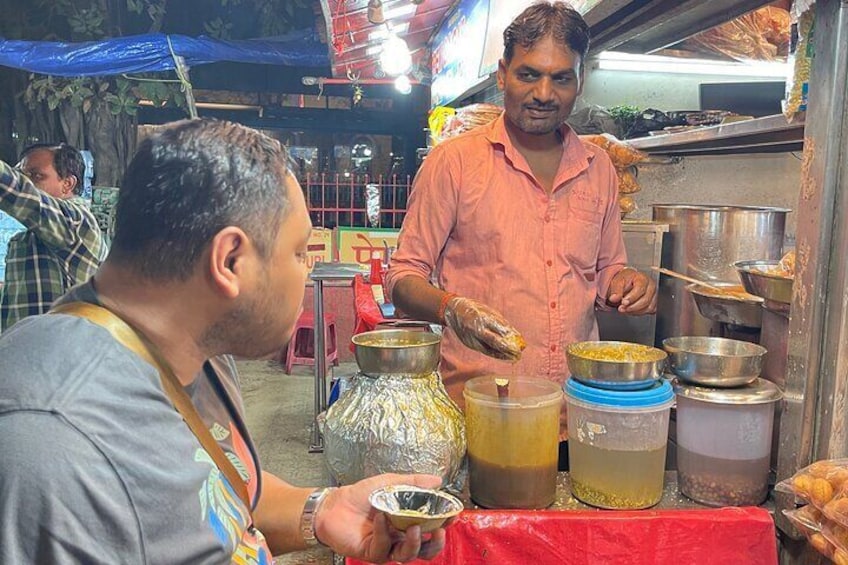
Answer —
(760, 391)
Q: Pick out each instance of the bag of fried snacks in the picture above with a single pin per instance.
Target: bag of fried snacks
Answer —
(837, 536)
(817, 483)
(620, 153)
(837, 509)
(801, 60)
(808, 521)
(436, 122)
(626, 205)
(627, 183)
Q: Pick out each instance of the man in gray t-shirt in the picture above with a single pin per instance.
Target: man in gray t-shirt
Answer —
(96, 465)
(114, 451)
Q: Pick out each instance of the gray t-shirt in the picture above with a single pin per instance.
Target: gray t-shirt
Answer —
(96, 465)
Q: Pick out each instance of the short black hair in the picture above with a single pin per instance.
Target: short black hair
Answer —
(557, 19)
(67, 160)
(189, 181)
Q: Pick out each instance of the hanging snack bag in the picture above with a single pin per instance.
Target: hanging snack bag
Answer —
(801, 60)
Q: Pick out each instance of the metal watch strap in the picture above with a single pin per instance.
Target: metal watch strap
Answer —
(307, 518)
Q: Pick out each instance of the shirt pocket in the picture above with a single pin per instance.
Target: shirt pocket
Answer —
(583, 237)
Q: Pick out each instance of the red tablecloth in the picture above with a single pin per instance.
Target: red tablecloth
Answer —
(722, 536)
(368, 314)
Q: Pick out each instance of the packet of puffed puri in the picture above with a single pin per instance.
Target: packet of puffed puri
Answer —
(836, 535)
(817, 483)
(801, 60)
(837, 510)
(808, 520)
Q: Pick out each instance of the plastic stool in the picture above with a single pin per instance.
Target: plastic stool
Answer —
(301, 349)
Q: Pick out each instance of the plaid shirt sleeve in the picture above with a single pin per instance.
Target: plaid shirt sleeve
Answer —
(62, 246)
(54, 221)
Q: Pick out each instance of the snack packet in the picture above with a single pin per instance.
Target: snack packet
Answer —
(817, 483)
(837, 536)
(801, 58)
(808, 520)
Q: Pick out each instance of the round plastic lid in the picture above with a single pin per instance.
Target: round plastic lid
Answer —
(658, 394)
(760, 391)
(524, 392)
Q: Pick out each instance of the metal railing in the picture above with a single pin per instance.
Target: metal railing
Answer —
(337, 200)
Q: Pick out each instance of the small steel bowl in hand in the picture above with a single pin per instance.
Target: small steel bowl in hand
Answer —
(408, 506)
(615, 364)
(396, 352)
(714, 361)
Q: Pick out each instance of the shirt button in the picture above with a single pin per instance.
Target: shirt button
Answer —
(547, 219)
(553, 305)
(549, 263)
(553, 348)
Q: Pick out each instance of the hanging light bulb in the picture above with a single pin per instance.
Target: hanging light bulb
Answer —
(395, 59)
(375, 12)
(403, 85)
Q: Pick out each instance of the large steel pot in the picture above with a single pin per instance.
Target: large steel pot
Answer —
(704, 241)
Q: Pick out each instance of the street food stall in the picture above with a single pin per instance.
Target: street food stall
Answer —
(786, 332)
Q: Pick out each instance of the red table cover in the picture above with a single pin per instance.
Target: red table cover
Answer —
(722, 536)
(368, 313)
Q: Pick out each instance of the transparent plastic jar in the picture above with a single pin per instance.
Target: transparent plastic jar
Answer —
(513, 442)
(724, 439)
(616, 444)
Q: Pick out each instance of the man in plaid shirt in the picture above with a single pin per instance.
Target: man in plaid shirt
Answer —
(62, 245)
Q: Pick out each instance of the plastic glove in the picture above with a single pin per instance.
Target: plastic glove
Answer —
(483, 329)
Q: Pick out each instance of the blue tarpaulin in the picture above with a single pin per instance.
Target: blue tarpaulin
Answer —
(151, 52)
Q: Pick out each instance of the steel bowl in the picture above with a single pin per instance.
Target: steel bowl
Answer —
(727, 309)
(408, 506)
(396, 352)
(714, 361)
(757, 280)
(615, 364)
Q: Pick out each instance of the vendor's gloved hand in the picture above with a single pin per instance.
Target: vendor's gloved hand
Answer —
(483, 329)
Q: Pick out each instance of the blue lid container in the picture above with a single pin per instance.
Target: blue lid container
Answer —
(658, 395)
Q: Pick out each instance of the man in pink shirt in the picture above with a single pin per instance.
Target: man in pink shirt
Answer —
(518, 221)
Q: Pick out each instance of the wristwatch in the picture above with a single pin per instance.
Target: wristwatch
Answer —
(307, 518)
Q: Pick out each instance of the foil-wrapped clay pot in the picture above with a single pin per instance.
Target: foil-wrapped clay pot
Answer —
(394, 423)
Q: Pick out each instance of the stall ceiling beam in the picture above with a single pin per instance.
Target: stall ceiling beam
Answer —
(360, 121)
(644, 26)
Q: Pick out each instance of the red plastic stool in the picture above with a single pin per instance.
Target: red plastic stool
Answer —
(301, 349)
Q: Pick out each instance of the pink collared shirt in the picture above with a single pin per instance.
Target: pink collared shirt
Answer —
(478, 219)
